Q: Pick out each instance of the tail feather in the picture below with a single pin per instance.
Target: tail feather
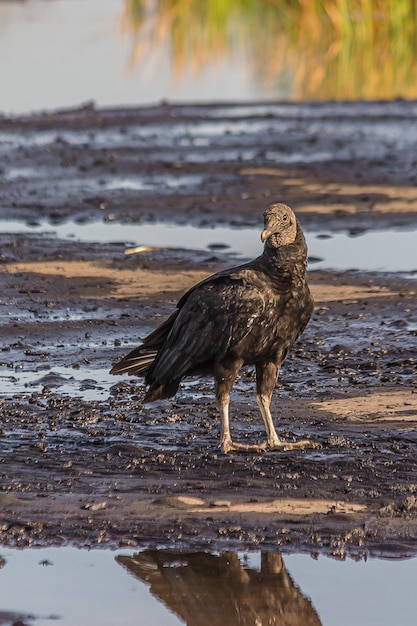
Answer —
(140, 359)
(161, 392)
(135, 363)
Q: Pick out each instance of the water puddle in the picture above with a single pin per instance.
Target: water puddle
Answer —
(89, 383)
(185, 133)
(169, 587)
(154, 182)
(194, 142)
(16, 173)
(164, 183)
(379, 250)
(201, 141)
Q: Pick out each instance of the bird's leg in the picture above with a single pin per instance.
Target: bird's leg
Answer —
(274, 441)
(224, 377)
(226, 443)
(266, 376)
(271, 434)
(224, 385)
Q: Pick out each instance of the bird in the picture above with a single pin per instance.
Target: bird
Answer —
(249, 315)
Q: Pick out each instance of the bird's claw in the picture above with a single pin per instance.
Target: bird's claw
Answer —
(230, 446)
(303, 444)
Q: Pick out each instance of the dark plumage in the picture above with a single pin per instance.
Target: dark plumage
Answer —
(247, 315)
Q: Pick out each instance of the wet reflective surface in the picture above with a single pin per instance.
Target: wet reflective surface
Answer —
(90, 383)
(217, 589)
(168, 587)
(142, 51)
(366, 251)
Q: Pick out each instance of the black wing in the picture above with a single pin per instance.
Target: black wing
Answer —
(215, 316)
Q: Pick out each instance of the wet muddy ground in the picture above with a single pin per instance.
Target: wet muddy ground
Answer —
(82, 461)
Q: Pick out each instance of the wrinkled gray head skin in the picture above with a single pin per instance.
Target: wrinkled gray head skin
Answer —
(280, 226)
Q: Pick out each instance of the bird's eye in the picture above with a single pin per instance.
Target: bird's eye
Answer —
(285, 217)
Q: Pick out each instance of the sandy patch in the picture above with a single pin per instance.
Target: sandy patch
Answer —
(398, 406)
(147, 283)
(278, 506)
(385, 198)
(127, 283)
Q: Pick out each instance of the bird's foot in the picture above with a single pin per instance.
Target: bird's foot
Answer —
(303, 444)
(230, 446)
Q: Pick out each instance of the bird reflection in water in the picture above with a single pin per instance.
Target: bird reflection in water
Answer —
(205, 589)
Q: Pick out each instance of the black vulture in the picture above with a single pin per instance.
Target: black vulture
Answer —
(247, 315)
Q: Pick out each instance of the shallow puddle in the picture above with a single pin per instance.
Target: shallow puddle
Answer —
(327, 250)
(89, 383)
(167, 587)
(131, 183)
(328, 134)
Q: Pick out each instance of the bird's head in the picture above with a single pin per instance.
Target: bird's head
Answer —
(280, 226)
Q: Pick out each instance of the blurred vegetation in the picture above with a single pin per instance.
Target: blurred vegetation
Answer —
(320, 49)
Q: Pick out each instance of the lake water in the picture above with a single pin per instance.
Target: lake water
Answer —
(79, 51)
(131, 52)
(71, 587)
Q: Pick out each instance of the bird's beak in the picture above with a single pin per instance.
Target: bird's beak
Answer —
(265, 234)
